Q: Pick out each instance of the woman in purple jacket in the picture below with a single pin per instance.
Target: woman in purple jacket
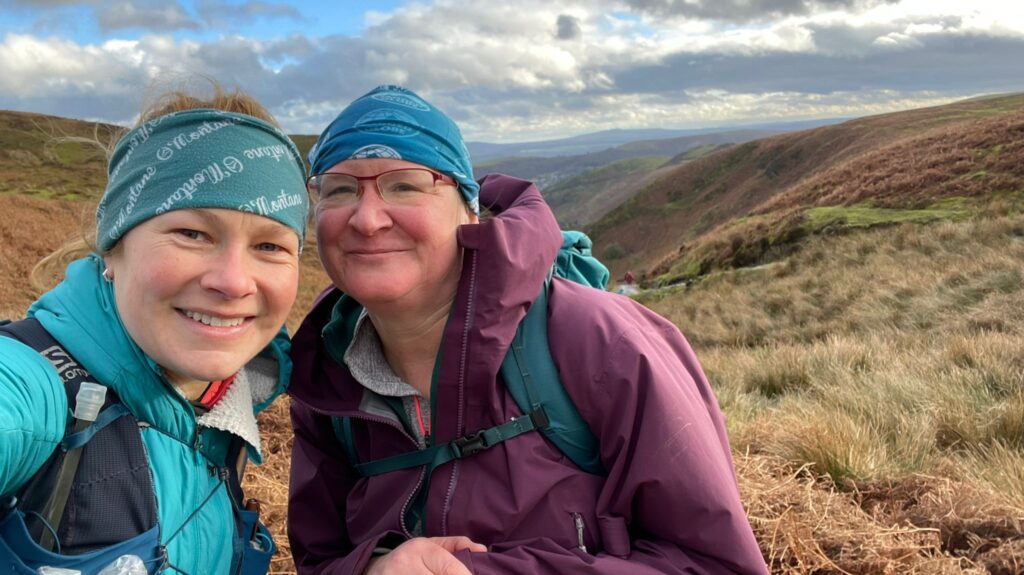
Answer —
(405, 353)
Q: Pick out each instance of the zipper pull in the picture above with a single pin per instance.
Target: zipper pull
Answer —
(578, 520)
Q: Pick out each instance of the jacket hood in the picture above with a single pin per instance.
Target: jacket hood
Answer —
(81, 314)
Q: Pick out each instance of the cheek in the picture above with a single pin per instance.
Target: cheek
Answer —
(152, 281)
(283, 289)
(330, 225)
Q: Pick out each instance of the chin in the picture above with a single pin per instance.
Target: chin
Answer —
(213, 369)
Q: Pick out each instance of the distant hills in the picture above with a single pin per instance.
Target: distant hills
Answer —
(589, 158)
(483, 152)
(548, 170)
(750, 203)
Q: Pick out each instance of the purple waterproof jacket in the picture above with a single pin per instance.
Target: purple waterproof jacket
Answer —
(669, 503)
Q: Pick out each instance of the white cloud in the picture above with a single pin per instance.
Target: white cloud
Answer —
(529, 69)
(711, 108)
(217, 13)
(30, 67)
(162, 16)
(896, 40)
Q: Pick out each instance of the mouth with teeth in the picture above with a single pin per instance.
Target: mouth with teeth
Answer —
(212, 320)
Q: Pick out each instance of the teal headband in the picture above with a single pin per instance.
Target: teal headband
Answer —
(202, 159)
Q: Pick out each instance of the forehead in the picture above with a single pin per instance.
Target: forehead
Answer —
(221, 217)
(371, 166)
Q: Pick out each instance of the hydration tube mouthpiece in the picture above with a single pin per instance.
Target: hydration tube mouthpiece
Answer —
(89, 400)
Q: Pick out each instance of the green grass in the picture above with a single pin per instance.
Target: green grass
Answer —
(862, 216)
(755, 240)
(696, 153)
(74, 153)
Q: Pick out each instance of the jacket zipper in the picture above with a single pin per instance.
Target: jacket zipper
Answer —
(577, 519)
(460, 424)
(394, 424)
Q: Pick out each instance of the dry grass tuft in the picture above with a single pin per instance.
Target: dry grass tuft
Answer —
(269, 482)
(805, 526)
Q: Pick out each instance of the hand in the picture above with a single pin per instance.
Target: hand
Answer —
(424, 556)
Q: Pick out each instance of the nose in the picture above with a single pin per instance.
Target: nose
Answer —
(370, 213)
(230, 272)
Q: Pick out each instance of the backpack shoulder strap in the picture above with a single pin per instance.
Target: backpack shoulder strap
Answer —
(533, 381)
(32, 333)
(343, 431)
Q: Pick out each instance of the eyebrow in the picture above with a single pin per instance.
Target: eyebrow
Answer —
(263, 224)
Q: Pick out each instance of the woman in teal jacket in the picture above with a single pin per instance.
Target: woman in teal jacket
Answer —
(179, 312)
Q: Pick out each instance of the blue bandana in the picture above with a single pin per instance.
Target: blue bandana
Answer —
(393, 122)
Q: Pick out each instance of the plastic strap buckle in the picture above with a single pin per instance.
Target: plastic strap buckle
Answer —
(539, 417)
(468, 445)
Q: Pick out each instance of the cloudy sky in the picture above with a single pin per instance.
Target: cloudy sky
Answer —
(520, 69)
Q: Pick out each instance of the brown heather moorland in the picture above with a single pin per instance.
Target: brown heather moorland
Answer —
(872, 379)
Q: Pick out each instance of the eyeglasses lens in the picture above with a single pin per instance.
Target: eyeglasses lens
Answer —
(398, 187)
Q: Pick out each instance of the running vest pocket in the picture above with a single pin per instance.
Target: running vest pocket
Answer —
(20, 555)
(258, 547)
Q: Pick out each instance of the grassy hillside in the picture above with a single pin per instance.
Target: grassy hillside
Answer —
(887, 359)
(752, 202)
(585, 198)
(51, 157)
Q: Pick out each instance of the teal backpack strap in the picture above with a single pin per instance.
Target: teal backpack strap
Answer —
(343, 431)
(532, 379)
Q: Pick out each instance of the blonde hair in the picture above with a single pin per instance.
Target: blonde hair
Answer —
(50, 270)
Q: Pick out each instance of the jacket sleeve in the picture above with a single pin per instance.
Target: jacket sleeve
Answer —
(33, 408)
(670, 503)
(320, 479)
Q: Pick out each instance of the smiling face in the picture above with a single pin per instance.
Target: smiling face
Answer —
(203, 291)
(392, 257)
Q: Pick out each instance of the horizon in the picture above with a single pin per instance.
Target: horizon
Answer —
(525, 71)
(667, 133)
